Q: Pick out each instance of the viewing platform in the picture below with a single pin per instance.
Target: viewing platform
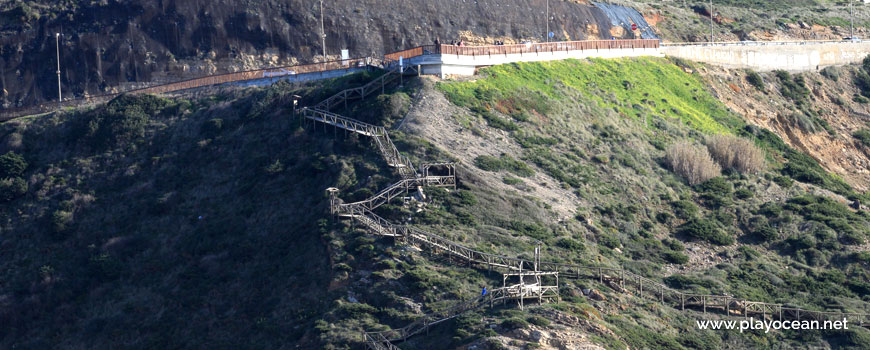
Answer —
(443, 60)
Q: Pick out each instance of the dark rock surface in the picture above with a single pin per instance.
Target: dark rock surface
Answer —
(112, 43)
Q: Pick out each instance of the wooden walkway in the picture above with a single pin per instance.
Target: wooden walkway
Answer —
(619, 279)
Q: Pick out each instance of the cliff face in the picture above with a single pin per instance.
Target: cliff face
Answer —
(117, 43)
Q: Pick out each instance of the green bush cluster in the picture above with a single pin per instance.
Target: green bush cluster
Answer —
(121, 121)
(832, 73)
(863, 136)
(755, 80)
(12, 185)
(715, 193)
(504, 162)
(862, 77)
(684, 209)
(706, 230)
(793, 87)
(852, 227)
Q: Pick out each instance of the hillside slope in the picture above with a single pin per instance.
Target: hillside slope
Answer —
(115, 45)
(203, 224)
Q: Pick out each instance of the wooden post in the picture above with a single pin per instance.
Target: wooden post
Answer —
(704, 303)
(682, 301)
(727, 305)
(600, 276)
(640, 284)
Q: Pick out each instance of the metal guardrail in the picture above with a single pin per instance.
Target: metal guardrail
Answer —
(582, 45)
(210, 80)
(763, 43)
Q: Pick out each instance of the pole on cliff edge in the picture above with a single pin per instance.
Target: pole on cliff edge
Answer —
(322, 31)
(57, 46)
(547, 33)
(711, 21)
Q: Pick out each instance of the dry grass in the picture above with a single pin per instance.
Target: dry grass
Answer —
(691, 162)
(732, 152)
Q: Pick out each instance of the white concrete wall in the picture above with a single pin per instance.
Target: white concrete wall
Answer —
(466, 65)
(773, 56)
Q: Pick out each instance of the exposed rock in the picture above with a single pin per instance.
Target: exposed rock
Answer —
(596, 295)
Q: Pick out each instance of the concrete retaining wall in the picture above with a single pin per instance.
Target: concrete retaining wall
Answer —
(465, 65)
(773, 56)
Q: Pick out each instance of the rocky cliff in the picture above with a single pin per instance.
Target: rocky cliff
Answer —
(107, 45)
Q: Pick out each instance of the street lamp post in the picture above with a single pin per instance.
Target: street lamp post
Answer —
(322, 31)
(851, 21)
(711, 21)
(547, 34)
(57, 47)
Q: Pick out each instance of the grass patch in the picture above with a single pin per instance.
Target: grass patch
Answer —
(504, 162)
(659, 86)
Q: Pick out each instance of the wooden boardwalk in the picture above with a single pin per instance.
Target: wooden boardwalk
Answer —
(619, 279)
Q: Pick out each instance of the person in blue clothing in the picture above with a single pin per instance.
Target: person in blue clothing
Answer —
(483, 292)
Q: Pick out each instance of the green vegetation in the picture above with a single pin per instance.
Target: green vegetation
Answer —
(863, 136)
(159, 203)
(705, 230)
(12, 165)
(793, 87)
(755, 80)
(134, 213)
(504, 162)
(655, 86)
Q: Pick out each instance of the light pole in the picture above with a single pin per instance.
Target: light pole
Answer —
(322, 31)
(851, 22)
(57, 46)
(711, 21)
(547, 34)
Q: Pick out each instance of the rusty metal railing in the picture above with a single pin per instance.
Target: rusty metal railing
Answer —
(444, 49)
(266, 73)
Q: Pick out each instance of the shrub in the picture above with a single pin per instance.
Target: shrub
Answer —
(692, 163)
(212, 127)
(394, 106)
(736, 153)
(743, 193)
(761, 229)
(571, 244)
(61, 220)
(514, 323)
(755, 80)
(832, 73)
(12, 188)
(783, 181)
(531, 230)
(12, 165)
(706, 230)
(664, 217)
(676, 257)
(717, 185)
(793, 88)
(687, 282)
(122, 120)
(505, 162)
(863, 135)
(684, 209)
(538, 321)
(862, 80)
